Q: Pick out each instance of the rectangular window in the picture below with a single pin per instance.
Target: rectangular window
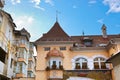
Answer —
(88, 44)
(2, 55)
(54, 62)
(84, 65)
(62, 48)
(96, 65)
(29, 74)
(11, 63)
(103, 66)
(77, 66)
(46, 48)
(54, 65)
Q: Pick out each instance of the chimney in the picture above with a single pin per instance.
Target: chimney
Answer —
(104, 31)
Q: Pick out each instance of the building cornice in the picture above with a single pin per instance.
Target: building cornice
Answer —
(87, 48)
(53, 42)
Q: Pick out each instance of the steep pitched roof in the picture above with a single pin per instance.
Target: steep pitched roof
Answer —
(8, 16)
(55, 33)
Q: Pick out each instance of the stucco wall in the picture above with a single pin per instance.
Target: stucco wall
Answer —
(69, 57)
(117, 72)
(41, 75)
(1, 67)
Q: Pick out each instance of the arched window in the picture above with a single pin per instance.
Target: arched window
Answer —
(99, 63)
(81, 63)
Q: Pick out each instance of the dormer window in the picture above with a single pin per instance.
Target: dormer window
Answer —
(87, 42)
(46, 48)
(62, 48)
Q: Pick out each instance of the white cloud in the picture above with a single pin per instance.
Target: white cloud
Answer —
(24, 21)
(92, 1)
(114, 5)
(100, 21)
(15, 1)
(37, 4)
(49, 2)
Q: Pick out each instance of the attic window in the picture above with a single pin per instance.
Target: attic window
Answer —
(87, 42)
(46, 48)
(62, 48)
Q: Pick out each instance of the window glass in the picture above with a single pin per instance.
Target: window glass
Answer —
(62, 48)
(81, 63)
(99, 63)
(46, 48)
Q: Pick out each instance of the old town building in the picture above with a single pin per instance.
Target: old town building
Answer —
(59, 56)
(17, 59)
(115, 58)
(64, 57)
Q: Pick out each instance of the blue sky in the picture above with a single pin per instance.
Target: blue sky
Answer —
(74, 16)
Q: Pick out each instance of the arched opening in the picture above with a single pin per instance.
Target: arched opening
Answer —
(81, 63)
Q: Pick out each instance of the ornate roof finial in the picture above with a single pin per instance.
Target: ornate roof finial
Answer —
(83, 33)
(57, 12)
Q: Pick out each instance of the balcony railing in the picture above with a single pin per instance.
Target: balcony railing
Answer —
(54, 67)
(87, 73)
(21, 43)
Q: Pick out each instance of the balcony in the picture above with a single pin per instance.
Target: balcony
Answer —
(21, 70)
(54, 67)
(55, 75)
(30, 68)
(22, 58)
(21, 43)
(31, 58)
(105, 73)
(20, 75)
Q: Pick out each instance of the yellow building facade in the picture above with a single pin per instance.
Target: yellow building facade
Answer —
(59, 56)
(64, 57)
